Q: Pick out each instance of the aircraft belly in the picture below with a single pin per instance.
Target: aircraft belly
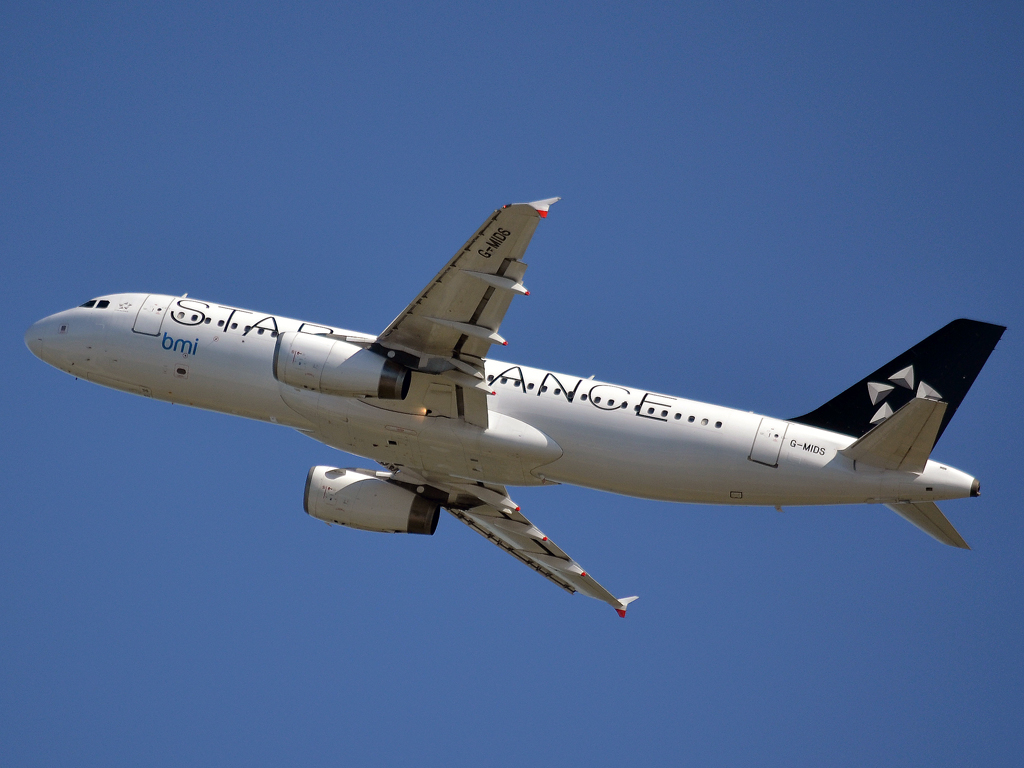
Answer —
(634, 457)
(505, 453)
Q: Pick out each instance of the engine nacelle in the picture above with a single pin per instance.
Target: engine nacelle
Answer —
(336, 367)
(359, 499)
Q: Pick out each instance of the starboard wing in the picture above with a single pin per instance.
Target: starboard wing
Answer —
(453, 322)
(445, 333)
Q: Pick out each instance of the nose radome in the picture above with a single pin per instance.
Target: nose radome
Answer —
(34, 339)
(45, 340)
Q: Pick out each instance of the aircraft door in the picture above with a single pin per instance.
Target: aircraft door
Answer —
(768, 442)
(151, 315)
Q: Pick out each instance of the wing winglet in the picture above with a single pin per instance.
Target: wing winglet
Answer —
(624, 602)
(542, 206)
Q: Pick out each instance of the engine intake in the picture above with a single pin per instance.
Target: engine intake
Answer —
(336, 367)
(359, 499)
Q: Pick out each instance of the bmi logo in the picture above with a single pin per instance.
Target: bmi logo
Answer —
(184, 346)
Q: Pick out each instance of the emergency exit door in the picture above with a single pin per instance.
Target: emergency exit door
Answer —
(768, 442)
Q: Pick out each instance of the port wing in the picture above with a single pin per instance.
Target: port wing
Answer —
(494, 516)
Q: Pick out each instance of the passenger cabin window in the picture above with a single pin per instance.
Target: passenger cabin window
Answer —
(89, 304)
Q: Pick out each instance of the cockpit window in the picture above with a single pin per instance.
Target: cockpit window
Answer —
(89, 304)
(102, 304)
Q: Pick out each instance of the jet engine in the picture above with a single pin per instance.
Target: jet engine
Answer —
(360, 499)
(336, 367)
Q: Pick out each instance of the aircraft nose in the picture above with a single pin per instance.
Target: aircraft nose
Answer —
(34, 339)
(44, 338)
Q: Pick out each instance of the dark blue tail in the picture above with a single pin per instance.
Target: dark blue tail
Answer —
(942, 367)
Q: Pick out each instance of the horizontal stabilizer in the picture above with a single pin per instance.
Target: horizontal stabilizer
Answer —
(929, 518)
(904, 441)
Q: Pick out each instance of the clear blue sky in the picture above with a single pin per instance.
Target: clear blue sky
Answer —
(761, 205)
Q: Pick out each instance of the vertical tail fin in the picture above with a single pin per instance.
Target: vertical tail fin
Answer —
(942, 367)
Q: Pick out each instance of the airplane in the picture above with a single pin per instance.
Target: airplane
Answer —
(454, 428)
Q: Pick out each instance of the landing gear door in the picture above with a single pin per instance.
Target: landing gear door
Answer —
(768, 442)
(151, 315)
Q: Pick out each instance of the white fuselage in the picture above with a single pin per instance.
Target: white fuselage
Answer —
(659, 447)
